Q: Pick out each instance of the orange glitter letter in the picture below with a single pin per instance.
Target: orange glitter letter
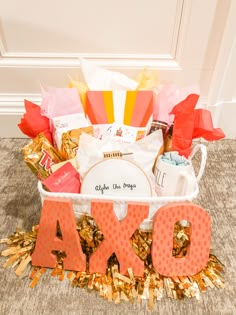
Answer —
(117, 236)
(198, 253)
(58, 210)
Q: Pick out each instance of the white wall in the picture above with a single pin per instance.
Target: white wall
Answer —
(222, 91)
(40, 43)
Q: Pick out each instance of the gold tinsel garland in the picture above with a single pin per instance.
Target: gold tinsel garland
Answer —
(113, 286)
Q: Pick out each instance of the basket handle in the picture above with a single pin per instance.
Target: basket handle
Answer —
(203, 149)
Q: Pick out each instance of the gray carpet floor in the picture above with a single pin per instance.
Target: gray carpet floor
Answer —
(20, 207)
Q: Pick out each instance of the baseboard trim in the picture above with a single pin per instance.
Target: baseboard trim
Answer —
(13, 104)
(9, 128)
(223, 115)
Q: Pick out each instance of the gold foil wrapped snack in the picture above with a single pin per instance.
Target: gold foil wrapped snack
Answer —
(70, 141)
(40, 155)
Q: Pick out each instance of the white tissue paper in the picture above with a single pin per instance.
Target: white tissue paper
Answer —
(143, 152)
(100, 79)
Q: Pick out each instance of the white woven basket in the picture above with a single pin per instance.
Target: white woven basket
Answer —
(82, 203)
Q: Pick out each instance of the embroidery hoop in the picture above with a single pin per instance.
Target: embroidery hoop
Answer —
(116, 171)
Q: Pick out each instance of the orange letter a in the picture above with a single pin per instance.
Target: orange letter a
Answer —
(58, 210)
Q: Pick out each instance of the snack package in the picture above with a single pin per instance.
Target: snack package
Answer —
(40, 155)
(65, 179)
(61, 124)
(70, 141)
(142, 152)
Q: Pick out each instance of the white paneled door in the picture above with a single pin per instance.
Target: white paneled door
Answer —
(41, 43)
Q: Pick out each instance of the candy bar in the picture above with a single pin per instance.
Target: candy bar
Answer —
(40, 155)
(70, 141)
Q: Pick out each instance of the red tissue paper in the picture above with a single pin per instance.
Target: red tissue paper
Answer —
(191, 123)
(33, 122)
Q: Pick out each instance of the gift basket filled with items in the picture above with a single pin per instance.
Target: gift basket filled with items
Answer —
(114, 161)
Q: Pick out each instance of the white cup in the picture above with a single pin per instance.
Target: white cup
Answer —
(178, 180)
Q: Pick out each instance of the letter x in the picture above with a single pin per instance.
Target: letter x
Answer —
(117, 236)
